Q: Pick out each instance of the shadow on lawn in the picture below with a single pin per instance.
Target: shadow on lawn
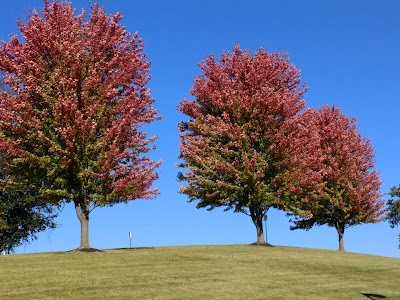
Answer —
(373, 296)
(262, 244)
(134, 248)
(94, 250)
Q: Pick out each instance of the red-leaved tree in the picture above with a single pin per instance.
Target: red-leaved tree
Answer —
(349, 193)
(70, 124)
(234, 143)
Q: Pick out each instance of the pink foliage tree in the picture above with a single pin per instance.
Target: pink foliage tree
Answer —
(242, 134)
(349, 191)
(72, 116)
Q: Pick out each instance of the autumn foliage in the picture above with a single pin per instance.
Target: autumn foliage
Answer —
(72, 119)
(232, 144)
(74, 98)
(248, 146)
(349, 193)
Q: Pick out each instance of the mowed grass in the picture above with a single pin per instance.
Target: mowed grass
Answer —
(200, 272)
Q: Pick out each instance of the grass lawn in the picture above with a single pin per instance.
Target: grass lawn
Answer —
(200, 272)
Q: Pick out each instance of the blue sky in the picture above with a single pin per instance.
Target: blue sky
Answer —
(348, 52)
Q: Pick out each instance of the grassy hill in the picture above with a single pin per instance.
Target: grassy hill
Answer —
(200, 272)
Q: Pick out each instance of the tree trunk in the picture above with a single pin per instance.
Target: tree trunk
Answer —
(257, 218)
(340, 230)
(83, 216)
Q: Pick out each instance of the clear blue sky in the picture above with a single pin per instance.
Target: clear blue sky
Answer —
(348, 52)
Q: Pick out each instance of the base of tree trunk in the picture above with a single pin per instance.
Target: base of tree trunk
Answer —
(86, 250)
(261, 244)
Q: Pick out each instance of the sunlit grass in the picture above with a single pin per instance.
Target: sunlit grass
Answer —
(200, 272)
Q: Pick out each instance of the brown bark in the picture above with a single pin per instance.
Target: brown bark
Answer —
(340, 230)
(257, 217)
(83, 216)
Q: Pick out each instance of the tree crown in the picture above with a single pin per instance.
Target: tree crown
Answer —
(242, 109)
(78, 99)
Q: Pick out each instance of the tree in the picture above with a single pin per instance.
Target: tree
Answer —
(232, 143)
(22, 216)
(351, 186)
(70, 129)
(393, 215)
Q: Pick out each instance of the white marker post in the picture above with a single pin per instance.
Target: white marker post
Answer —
(130, 239)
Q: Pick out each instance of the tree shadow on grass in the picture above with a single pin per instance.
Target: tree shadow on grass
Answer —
(373, 296)
(94, 250)
(87, 250)
(133, 248)
(261, 244)
(79, 250)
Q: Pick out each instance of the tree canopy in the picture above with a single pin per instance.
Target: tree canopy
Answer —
(350, 192)
(393, 215)
(232, 144)
(70, 127)
(22, 216)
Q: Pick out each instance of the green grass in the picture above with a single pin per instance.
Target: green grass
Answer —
(200, 272)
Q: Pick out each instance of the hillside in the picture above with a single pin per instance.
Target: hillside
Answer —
(200, 272)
